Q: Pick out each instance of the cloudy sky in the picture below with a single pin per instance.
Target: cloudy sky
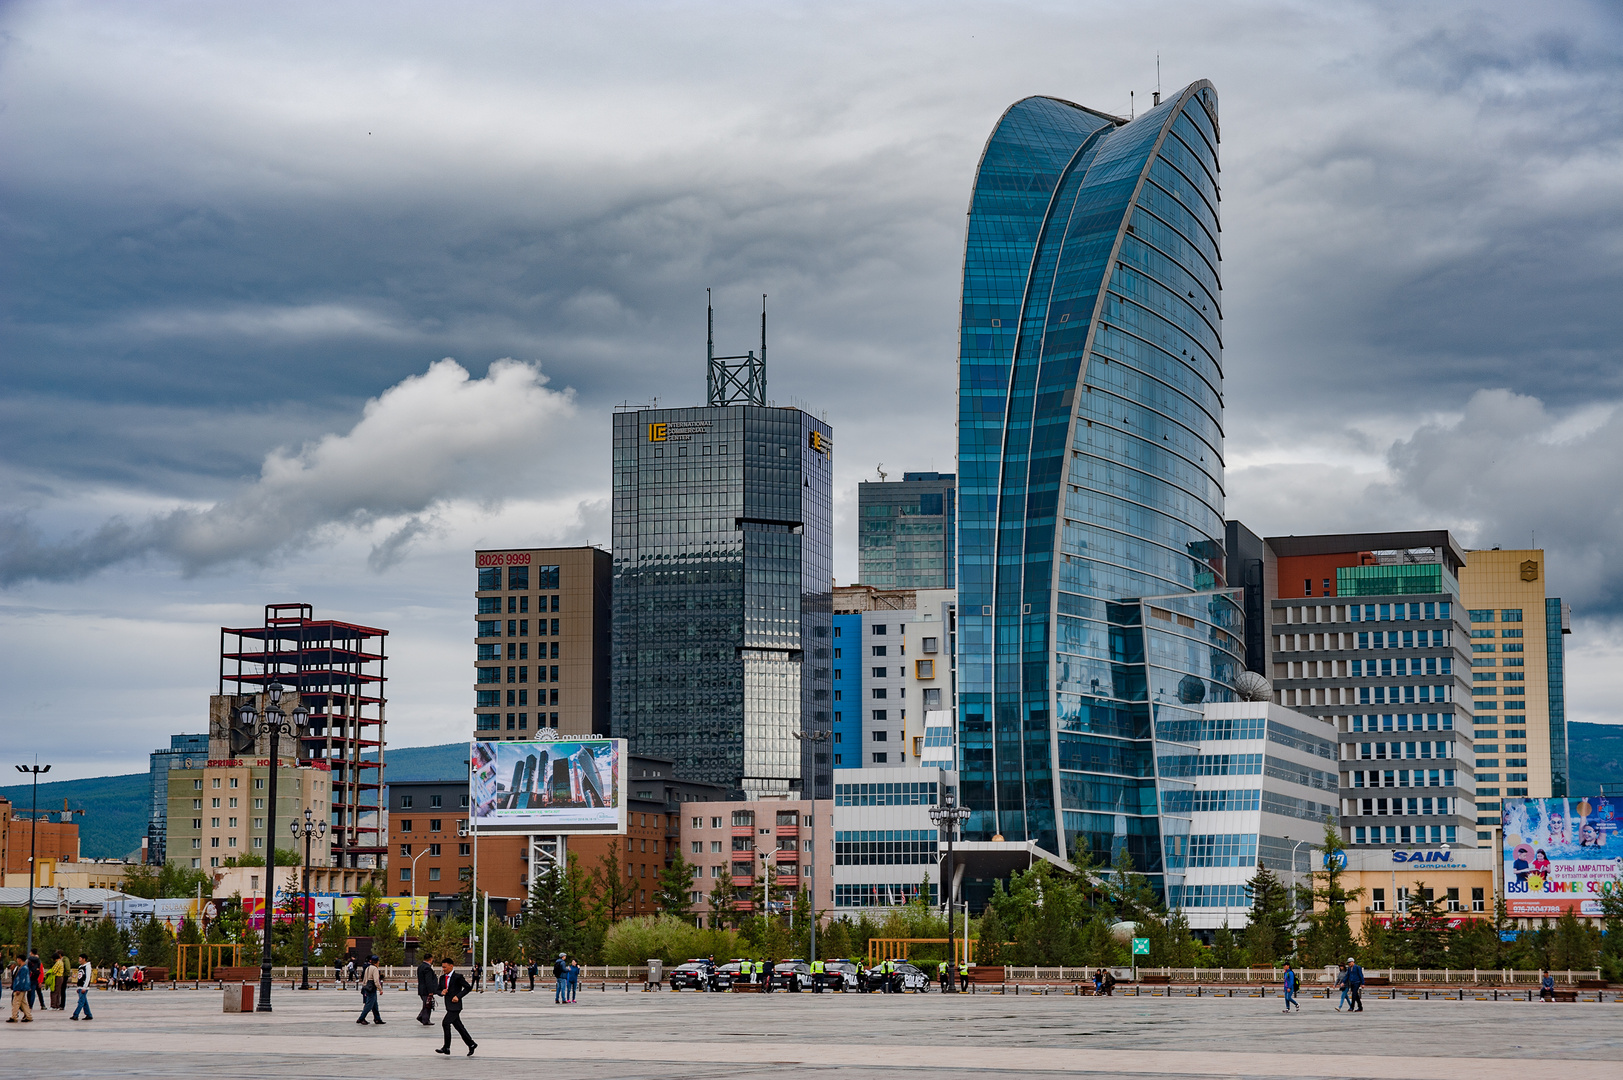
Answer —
(307, 301)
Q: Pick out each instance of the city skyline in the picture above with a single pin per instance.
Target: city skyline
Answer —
(225, 337)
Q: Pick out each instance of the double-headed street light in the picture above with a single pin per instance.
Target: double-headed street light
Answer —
(948, 815)
(816, 738)
(275, 723)
(308, 828)
(33, 830)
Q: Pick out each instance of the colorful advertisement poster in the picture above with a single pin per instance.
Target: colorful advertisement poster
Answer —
(548, 785)
(1561, 854)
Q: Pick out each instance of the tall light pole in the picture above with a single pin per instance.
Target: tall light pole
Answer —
(275, 723)
(307, 828)
(472, 830)
(816, 738)
(33, 830)
(948, 815)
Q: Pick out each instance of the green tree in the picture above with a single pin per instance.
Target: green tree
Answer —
(166, 880)
(1271, 933)
(155, 945)
(990, 938)
(102, 943)
(553, 915)
(611, 892)
(331, 941)
(1226, 951)
(1611, 950)
(675, 883)
(445, 938)
(1575, 944)
(1329, 939)
(722, 913)
(1421, 935)
(1375, 945)
(284, 857)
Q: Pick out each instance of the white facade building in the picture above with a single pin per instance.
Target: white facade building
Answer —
(885, 845)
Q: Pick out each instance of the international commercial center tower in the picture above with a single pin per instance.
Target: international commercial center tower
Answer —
(723, 571)
(1093, 620)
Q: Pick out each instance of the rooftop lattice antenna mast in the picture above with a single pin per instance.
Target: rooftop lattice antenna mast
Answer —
(734, 380)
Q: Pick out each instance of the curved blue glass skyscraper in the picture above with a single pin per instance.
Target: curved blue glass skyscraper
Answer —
(1092, 618)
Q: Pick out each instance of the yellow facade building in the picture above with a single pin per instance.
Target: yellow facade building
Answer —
(1518, 685)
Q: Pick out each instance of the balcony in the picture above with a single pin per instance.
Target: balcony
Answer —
(788, 831)
(743, 830)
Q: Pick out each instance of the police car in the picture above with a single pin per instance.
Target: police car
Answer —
(841, 974)
(782, 970)
(729, 973)
(903, 973)
(697, 974)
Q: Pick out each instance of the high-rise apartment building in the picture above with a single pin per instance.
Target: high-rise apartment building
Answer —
(907, 532)
(182, 752)
(542, 640)
(1092, 615)
(893, 677)
(723, 562)
(1518, 685)
(1368, 633)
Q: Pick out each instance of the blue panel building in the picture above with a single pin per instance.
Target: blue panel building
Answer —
(1094, 621)
(848, 703)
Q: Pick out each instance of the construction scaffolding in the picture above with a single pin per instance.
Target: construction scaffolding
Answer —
(336, 668)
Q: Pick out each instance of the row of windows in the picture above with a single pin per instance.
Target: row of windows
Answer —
(518, 628)
(1364, 639)
(870, 895)
(913, 793)
(1403, 778)
(1406, 834)
(494, 674)
(1395, 750)
(1481, 615)
(1423, 807)
(1287, 806)
(1509, 792)
(1417, 665)
(1489, 634)
(875, 847)
(1301, 774)
(1183, 765)
(1220, 849)
(515, 721)
(516, 605)
(1365, 613)
(519, 577)
(1401, 722)
(517, 650)
(1403, 695)
(1301, 740)
(1188, 801)
(487, 699)
(1208, 896)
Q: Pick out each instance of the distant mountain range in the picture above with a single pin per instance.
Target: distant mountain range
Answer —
(116, 806)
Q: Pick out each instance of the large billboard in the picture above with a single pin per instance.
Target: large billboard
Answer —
(549, 786)
(1560, 854)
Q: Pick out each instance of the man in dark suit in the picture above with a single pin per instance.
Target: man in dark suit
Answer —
(427, 986)
(453, 987)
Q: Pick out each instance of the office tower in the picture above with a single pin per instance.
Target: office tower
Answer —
(1261, 780)
(337, 670)
(723, 562)
(542, 642)
(907, 532)
(182, 752)
(1368, 633)
(1090, 470)
(1517, 664)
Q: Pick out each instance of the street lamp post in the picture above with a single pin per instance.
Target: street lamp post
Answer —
(307, 828)
(33, 830)
(275, 723)
(816, 738)
(949, 815)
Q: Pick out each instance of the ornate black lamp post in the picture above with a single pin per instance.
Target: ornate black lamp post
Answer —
(275, 723)
(307, 828)
(948, 815)
(33, 830)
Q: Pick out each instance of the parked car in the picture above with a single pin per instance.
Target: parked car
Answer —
(799, 969)
(905, 977)
(841, 974)
(699, 974)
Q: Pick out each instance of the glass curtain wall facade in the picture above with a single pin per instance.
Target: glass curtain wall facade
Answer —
(1093, 617)
(907, 532)
(723, 564)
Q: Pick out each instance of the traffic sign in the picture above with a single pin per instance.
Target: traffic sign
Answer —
(1141, 946)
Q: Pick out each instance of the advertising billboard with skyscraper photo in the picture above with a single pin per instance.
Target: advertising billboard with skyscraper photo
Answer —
(548, 785)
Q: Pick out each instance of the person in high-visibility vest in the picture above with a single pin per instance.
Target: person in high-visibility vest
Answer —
(941, 975)
(817, 976)
(886, 971)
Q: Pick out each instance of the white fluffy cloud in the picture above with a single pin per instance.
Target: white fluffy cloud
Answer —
(428, 440)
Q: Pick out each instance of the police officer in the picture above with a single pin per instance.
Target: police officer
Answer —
(765, 967)
(887, 970)
(817, 976)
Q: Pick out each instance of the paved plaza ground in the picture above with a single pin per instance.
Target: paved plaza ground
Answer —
(607, 1035)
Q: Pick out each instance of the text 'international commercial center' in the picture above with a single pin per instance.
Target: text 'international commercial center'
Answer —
(1092, 627)
(723, 570)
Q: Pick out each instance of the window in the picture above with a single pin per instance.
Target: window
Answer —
(879, 736)
(1511, 615)
(879, 629)
(433, 824)
(214, 823)
(405, 824)
(433, 850)
(518, 577)
(405, 850)
(929, 645)
(879, 714)
(1477, 901)
(216, 782)
(924, 669)
(434, 873)
(490, 578)
(434, 802)
(405, 875)
(1377, 899)
(214, 803)
(405, 802)
(879, 650)
(464, 849)
(715, 823)
(879, 693)
(880, 758)
(1481, 615)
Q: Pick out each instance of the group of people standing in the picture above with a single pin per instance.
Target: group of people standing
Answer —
(566, 977)
(30, 981)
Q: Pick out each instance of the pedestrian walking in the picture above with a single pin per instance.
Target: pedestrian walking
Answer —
(532, 974)
(560, 975)
(453, 988)
(56, 981)
(574, 979)
(36, 972)
(1355, 986)
(19, 979)
(1341, 984)
(371, 983)
(84, 981)
(428, 985)
(1290, 988)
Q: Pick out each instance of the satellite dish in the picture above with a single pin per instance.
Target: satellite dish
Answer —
(1253, 687)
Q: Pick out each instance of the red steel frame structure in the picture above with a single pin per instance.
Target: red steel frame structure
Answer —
(337, 669)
